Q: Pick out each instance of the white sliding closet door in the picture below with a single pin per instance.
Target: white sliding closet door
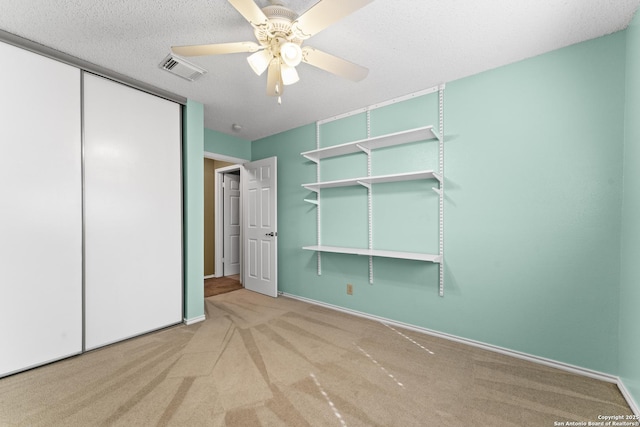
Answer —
(40, 211)
(133, 212)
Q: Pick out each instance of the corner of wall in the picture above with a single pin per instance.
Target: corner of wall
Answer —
(629, 320)
(226, 145)
(193, 217)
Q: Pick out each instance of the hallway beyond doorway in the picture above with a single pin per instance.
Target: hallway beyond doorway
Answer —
(221, 285)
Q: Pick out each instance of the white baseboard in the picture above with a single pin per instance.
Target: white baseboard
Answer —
(211, 276)
(517, 354)
(628, 397)
(195, 320)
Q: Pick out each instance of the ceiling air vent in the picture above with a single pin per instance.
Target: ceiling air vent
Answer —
(181, 68)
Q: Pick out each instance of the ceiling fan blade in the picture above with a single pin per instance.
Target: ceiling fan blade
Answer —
(215, 49)
(275, 87)
(325, 13)
(251, 12)
(333, 64)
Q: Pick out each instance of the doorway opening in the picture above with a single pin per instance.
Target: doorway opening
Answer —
(246, 242)
(222, 216)
(221, 285)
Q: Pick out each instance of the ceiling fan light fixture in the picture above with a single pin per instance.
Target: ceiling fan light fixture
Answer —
(280, 33)
(289, 74)
(291, 54)
(259, 61)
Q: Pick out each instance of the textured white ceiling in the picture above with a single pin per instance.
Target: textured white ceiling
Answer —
(408, 45)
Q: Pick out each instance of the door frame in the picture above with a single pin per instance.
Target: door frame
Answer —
(217, 207)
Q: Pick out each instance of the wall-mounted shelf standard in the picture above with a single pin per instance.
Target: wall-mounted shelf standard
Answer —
(389, 140)
(368, 180)
(367, 146)
(376, 253)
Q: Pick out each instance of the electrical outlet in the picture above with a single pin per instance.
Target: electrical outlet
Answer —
(349, 289)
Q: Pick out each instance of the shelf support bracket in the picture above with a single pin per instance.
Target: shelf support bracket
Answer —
(317, 202)
(364, 149)
(313, 159)
(440, 177)
(369, 195)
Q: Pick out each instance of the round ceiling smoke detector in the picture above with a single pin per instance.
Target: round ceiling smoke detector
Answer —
(236, 127)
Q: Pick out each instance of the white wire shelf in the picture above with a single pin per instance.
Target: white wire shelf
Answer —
(376, 253)
(405, 137)
(368, 180)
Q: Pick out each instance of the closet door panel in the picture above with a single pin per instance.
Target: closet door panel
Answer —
(40, 211)
(133, 212)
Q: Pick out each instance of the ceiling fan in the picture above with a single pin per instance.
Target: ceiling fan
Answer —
(280, 33)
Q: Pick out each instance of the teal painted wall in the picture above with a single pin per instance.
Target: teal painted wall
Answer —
(534, 165)
(220, 143)
(193, 172)
(630, 270)
(532, 214)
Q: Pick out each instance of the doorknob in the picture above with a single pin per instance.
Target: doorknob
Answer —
(271, 234)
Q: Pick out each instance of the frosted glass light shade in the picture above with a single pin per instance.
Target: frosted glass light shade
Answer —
(289, 74)
(260, 60)
(291, 54)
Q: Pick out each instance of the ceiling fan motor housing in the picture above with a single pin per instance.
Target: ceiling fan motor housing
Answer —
(279, 12)
(280, 20)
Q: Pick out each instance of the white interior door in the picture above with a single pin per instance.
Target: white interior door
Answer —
(231, 213)
(260, 220)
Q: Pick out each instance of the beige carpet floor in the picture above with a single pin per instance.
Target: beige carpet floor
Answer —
(258, 361)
